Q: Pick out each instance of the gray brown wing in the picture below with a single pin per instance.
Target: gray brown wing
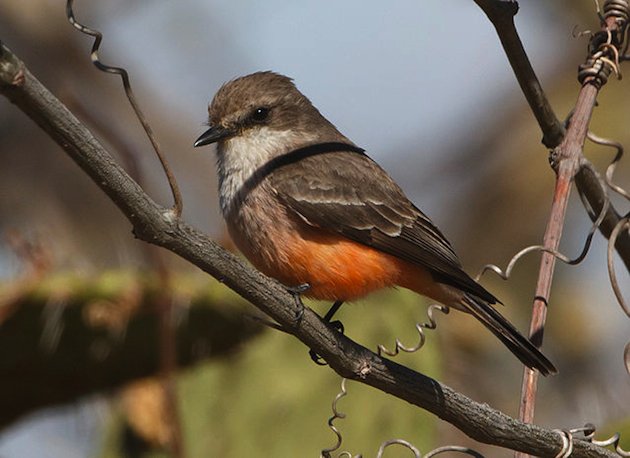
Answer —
(378, 214)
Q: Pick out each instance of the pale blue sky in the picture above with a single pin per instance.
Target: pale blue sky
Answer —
(385, 73)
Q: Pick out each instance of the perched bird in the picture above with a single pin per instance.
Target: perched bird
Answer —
(307, 206)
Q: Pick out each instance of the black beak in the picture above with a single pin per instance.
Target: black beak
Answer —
(212, 135)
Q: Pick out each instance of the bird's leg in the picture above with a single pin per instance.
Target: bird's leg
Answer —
(338, 325)
(296, 292)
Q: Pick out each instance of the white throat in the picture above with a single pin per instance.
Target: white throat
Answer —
(239, 157)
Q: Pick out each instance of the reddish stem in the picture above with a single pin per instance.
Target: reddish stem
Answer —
(568, 154)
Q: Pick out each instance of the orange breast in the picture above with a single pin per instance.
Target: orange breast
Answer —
(335, 267)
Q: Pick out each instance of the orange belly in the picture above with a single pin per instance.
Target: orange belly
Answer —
(336, 268)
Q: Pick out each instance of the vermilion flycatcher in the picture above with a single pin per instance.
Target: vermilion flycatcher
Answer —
(306, 206)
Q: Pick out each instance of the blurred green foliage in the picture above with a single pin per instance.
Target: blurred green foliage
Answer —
(272, 400)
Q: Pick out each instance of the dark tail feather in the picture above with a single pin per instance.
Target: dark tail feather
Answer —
(518, 344)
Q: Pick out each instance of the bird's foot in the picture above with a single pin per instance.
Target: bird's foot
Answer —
(316, 358)
(554, 159)
(336, 325)
(296, 292)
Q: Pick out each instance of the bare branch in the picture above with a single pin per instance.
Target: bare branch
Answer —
(501, 14)
(158, 225)
(96, 60)
(568, 154)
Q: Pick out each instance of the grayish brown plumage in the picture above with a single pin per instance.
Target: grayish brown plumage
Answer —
(305, 205)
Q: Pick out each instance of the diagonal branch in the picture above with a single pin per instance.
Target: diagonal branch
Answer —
(501, 14)
(569, 155)
(158, 225)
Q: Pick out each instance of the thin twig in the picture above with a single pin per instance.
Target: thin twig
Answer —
(98, 37)
(501, 14)
(109, 132)
(568, 153)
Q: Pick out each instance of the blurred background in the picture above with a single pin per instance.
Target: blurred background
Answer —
(425, 88)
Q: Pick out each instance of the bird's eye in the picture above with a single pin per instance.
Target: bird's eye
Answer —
(260, 114)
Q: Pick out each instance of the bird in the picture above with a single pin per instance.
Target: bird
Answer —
(308, 207)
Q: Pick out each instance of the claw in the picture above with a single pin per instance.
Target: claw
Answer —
(554, 159)
(299, 289)
(316, 358)
(336, 325)
(296, 292)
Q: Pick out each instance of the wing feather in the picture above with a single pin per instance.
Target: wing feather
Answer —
(321, 190)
